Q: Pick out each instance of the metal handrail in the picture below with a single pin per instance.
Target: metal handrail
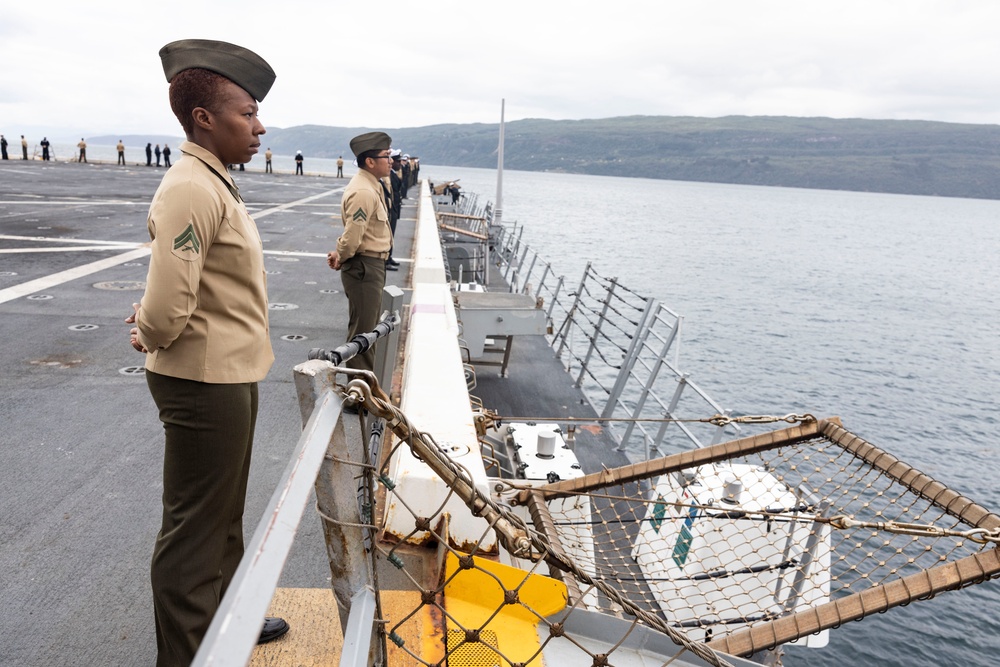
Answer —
(644, 364)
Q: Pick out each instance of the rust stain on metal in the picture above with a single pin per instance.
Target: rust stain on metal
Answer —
(427, 539)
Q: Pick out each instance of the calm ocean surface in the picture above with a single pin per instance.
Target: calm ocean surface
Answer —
(881, 309)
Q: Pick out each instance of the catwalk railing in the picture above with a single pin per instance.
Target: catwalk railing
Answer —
(622, 348)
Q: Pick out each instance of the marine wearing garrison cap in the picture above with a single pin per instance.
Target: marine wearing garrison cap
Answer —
(363, 248)
(240, 65)
(204, 357)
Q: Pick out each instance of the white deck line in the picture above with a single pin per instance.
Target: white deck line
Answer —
(18, 251)
(58, 239)
(24, 289)
(46, 282)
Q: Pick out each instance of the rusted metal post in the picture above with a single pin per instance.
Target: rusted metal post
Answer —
(337, 499)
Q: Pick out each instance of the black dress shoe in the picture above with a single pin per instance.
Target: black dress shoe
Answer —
(273, 628)
(391, 262)
(391, 267)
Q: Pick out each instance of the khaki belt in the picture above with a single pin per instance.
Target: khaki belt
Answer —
(371, 253)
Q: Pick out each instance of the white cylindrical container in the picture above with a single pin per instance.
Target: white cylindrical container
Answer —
(733, 490)
(546, 445)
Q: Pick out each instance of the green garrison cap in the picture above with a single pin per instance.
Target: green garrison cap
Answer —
(370, 141)
(241, 66)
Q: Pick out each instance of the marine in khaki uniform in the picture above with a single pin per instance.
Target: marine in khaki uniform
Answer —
(364, 245)
(203, 326)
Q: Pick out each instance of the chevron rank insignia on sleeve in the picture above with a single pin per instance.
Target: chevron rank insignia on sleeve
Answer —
(187, 241)
(359, 216)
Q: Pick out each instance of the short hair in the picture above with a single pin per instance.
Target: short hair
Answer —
(373, 153)
(193, 88)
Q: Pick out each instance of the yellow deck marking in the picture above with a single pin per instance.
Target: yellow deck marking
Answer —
(472, 596)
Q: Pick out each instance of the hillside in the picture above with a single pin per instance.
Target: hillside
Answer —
(910, 157)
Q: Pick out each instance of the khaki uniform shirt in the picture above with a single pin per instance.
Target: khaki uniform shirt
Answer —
(204, 314)
(366, 220)
(267, 155)
(120, 147)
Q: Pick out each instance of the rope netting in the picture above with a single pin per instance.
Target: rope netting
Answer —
(725, 541)
(737, 547)
(544, 615)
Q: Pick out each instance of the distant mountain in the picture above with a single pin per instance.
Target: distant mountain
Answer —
(900, 156)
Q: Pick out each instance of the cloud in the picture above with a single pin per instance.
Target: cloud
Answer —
(420, 64)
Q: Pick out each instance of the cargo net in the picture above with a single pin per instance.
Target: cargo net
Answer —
(731, 549)
(768, 539)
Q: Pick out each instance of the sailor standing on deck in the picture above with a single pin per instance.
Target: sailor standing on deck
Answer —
(364, 246)
(3, 147)
(405, 163)
(203, 325)
(395, 204)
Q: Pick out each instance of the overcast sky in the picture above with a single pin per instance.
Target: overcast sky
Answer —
(91, 68)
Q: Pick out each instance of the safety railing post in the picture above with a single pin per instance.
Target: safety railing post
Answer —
(648, 388)
(527, 276)
(809, 556)
(568, 325)
(515, 278)
(513, 255)
(555, 297)
(628, 363)
(545, 274)
(357, 647)
(597, 331)
(500, 248)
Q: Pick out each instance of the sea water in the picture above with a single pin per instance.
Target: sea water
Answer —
(881, 309)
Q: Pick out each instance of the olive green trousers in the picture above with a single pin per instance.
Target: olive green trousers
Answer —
(363, 278)
(209, 432)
